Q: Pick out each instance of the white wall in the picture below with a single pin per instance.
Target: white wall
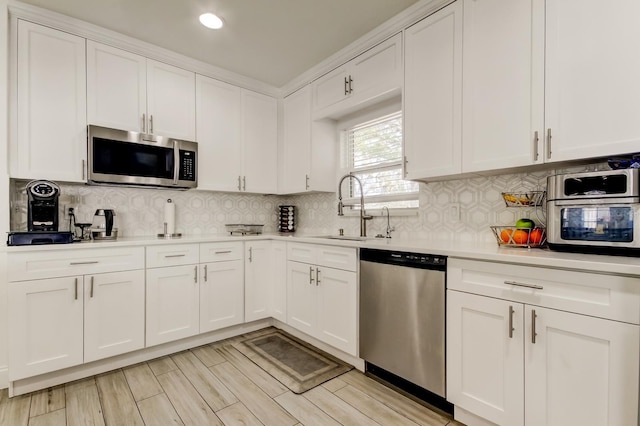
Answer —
(4, 188)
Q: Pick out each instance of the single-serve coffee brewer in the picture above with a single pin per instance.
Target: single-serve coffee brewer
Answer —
(103, 228)
(42, 210)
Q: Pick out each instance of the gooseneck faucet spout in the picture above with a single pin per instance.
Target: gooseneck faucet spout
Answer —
(363, 216)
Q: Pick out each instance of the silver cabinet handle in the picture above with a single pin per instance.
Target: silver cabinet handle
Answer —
(317, 276)
(250, 254)
(346, 86)
(310, 275)
(195, 274)
(144, 122)
(239, 183)
(535, 145)
(548, 143)
(91, 291)
(205, 273)
(90, 262)
(150, 123)
(76, 284)
(533, 326)
(244, 183)
(511, 321)
(83, 170)
(223, 252)
(306, 181)
(350, 86)
(174, 255)
(517, 284)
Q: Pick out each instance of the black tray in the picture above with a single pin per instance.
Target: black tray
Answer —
(38, 238)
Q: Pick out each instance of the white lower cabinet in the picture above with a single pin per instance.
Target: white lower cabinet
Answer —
(321, 300)
(265, 280)
(61, 322)
(172, 303)
(516, 363)
(221, 295)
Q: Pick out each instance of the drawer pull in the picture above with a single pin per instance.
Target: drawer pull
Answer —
(92, 262)
(533, 326)
(517, 284)
(511, 321)
(175, 255)
(223, 252)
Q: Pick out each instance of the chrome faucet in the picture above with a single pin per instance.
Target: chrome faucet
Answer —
(390, 228)
(363, 216)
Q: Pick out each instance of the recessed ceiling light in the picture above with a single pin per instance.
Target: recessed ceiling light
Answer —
(210, 20)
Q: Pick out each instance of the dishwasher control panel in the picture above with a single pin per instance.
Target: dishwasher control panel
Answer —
(411, 260)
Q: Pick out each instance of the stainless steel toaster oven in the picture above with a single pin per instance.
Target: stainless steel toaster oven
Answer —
(595, 212)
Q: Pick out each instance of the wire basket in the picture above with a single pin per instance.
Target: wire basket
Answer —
(511, 236)
(524, 199)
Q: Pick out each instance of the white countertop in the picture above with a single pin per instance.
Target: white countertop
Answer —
(484, 251)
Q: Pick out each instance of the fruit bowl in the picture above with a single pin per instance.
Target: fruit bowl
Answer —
(512, 236)
(523, 199)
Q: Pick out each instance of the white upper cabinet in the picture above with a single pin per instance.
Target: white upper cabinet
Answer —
(116, 88)
(237, 133)
(259, 143)
(129, 92)
(433, 95)
(503, 80)
(369, 78)
(309, 154)
(218, 116)
(49, 133)
(592, 85)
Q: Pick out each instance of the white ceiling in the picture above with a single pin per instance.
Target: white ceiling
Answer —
(272, 41)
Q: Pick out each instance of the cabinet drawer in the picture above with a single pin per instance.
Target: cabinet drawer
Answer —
(337, 257)
(600, 295)
(172, 255)
(217, 252)
(304, 253)
(35, 265)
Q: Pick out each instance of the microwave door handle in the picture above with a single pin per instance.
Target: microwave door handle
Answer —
(176, 161)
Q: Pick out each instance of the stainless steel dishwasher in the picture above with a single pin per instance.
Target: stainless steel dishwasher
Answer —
(402, 317)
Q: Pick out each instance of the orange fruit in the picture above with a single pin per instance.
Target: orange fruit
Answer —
(520, 236)
(505, 235)
(536, 235)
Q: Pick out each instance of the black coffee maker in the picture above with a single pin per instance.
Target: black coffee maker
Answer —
(43, 206)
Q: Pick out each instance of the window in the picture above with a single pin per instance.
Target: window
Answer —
(372, 151)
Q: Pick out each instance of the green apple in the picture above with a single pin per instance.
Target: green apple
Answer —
(525, 224)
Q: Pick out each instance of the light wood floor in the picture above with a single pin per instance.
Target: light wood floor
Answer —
(212, 385)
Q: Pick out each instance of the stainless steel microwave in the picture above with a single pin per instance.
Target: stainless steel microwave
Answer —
(129, 158)
(595, 212)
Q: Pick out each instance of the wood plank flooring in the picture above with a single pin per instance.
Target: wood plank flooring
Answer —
(212, 385)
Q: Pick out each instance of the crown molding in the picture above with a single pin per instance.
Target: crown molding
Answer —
(19, 10)
(388, 29)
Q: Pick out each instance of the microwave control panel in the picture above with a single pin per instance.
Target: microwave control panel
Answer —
(187, 165)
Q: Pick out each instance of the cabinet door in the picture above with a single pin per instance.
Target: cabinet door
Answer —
(592, 94)
(297, 142)
(172, 303)
(45, 326)
(503, 80)
(221, 295)
(113, 314)
(580, 370)
(260, 143)
(51, 139)
(337, 308)
(301, 297)
(171, 101)
(279, 283)
(258, 280)
(218, 117)
(330, 89)
(377, 73)
(116, 88)
(433, 95)
(485, 372)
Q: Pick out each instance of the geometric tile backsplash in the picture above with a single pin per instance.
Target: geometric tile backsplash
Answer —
(464, 208)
